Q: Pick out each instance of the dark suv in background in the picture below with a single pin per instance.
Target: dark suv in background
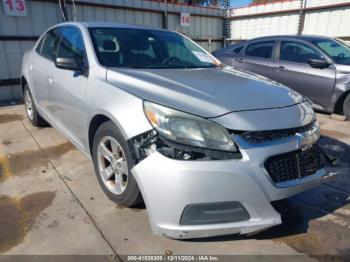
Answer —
(317, 67)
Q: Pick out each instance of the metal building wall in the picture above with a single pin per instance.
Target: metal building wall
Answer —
(329, 22)
(246, 27)
(18, 34)
(321, 17)
(262, 26)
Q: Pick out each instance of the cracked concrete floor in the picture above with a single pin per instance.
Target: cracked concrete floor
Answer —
(51, 203)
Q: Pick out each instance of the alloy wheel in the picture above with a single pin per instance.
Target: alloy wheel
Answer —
(112, 165)
(29, 105)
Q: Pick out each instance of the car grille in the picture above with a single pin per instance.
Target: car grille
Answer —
(294, 165)
(258, 137)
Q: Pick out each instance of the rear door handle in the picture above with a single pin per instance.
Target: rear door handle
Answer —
(50, 80)
(240, 60)
(280, 68)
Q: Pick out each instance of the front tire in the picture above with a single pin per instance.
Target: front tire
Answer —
(112, 162)
(31, 111)
(346, 107)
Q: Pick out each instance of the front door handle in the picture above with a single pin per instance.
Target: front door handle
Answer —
(240, 60)
(50, 79)
(280, 68)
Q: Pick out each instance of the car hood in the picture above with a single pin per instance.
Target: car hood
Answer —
(207, 92)
(342, 69)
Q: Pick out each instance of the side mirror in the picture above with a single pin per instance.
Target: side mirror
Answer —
(318, 63)
(69, 64)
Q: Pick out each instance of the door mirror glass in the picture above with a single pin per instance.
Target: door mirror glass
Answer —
(68, 64)
(318, 63)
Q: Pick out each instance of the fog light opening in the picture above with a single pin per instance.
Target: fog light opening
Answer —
(214, 213)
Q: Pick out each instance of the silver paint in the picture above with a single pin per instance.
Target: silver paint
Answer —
(235, 99)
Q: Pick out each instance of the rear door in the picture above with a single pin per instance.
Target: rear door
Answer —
(293, 70)
(42, 63)
(257, 58)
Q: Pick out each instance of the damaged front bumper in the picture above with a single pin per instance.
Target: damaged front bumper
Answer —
(169, 186)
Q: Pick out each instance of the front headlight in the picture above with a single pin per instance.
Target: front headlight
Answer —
(188, 129)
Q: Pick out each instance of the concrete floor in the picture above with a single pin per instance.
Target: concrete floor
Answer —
(51, 203)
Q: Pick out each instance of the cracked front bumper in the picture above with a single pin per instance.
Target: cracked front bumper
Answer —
(169, 185)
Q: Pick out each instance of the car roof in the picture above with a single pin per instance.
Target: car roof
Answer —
(308, 38)
(91, 24)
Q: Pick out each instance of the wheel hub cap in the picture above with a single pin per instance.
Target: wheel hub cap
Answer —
(112, 165)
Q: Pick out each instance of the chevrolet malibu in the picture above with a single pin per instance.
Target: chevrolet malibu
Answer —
(206, 147)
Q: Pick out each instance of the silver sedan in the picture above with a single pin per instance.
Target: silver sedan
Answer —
(206, 147)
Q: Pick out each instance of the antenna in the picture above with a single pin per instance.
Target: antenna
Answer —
(74, 11)
(62, 8)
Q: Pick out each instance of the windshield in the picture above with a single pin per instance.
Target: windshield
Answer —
(140, 48)
(338, 51)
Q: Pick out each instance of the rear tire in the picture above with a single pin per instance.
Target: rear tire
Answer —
(31, 111)
(112, 161)
(346, 107)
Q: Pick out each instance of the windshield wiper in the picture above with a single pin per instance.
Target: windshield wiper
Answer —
(211, 66)
(137, 66)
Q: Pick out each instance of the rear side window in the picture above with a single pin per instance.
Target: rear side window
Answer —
(297, 52)
(71, 45)
(49, 45)
(237, 50)
(260, 49)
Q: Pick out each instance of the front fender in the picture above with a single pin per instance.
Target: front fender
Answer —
(123, 108)
(341, 89)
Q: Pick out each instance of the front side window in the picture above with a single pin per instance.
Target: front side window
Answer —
(49, 45)
(71, 45)
(338, 51)
(260, 49)
(143, 48)
(297, 52)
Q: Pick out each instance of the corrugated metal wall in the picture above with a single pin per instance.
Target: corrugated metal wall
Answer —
(17, 34)
(254, 26)
(330, 22)
(321, 17)
(263, 26)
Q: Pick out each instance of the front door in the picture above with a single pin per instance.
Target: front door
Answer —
(293, 70)
(67, 92)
